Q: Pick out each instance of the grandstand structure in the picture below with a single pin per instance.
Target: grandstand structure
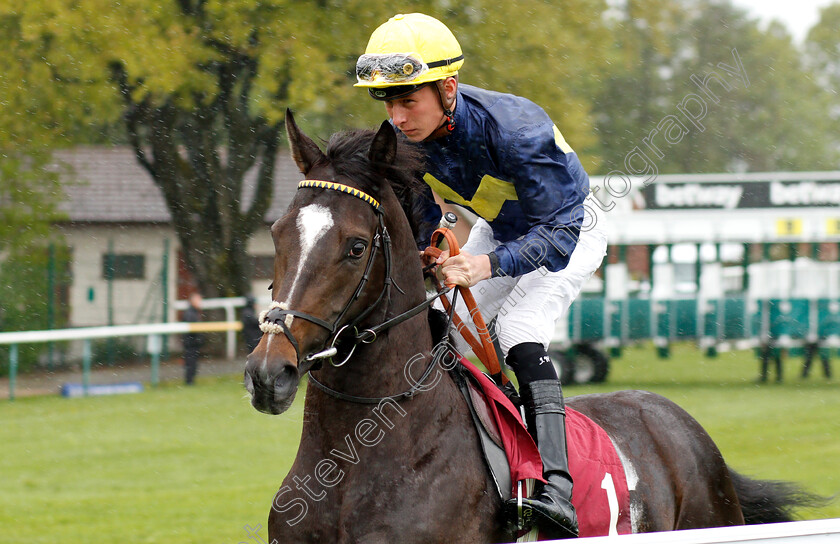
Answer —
(728, 260)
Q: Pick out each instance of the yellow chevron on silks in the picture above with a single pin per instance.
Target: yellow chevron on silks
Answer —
(321, 184)
(491, 195)
(561, 141)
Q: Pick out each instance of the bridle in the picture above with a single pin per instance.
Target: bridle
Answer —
(381, 240)
(274, 322)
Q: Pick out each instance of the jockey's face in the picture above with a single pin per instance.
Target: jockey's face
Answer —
(417, 115)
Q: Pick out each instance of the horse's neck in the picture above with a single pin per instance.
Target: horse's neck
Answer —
(423, 449)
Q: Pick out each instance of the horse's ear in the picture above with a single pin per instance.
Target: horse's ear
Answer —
(383, 150)
(304, 151)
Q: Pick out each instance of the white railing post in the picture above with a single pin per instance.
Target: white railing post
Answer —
(155, 343)
(86, 357)
(13, 367)
(230, 315)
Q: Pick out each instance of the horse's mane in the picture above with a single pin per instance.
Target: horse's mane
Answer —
(347, 152)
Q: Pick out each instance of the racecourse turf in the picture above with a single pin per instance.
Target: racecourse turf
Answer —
(183, 465)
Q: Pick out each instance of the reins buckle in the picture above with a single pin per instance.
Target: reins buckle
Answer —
(367, 336)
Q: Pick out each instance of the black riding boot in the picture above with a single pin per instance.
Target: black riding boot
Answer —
(551, 506)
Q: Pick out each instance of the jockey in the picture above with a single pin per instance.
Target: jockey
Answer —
(535, 243)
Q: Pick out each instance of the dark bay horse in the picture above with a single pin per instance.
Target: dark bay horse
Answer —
(388, 451)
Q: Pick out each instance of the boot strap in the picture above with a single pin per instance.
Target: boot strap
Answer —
(546, 397)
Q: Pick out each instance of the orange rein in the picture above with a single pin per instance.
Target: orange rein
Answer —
(483, 347)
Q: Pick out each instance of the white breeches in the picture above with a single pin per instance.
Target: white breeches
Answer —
(526, 307)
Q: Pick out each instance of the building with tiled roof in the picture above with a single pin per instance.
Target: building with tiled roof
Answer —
(114, 208)
(111, 187)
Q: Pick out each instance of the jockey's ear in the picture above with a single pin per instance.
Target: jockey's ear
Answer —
(383, 149)
(304, 151)
(450, 88)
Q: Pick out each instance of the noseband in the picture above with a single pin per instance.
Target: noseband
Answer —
(273, 320)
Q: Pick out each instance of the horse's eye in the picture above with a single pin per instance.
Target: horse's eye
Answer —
(358, 249)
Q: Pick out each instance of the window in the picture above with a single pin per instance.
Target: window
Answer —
(123, 267)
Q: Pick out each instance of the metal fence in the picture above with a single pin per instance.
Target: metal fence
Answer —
(154, 334)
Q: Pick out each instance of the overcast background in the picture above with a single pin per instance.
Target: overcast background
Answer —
(798, 16)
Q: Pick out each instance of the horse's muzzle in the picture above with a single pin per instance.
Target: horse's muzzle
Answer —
(272, 385)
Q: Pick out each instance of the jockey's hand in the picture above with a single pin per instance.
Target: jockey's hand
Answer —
(465, 269)
(427, 259)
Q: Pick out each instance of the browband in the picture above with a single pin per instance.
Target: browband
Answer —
(320, 184)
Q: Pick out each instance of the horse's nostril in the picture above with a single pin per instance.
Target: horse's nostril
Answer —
(271, 384)
(249, 383)
(285, 382)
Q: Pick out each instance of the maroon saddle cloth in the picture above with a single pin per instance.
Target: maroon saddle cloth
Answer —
(600, 495)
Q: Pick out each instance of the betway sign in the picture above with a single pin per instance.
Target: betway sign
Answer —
(696, 195)
(725, 195)
(806, 193)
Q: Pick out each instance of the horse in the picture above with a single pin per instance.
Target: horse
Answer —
(389, 451)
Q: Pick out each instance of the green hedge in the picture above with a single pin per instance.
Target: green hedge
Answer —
(24, 300)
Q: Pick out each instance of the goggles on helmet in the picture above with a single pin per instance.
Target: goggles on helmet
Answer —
(391, 67)
(396, 68)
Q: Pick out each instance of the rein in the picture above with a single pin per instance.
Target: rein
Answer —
(483, 347)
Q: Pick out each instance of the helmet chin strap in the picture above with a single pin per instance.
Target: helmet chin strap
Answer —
(448, 124)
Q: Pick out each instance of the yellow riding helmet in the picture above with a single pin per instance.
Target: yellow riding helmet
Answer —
(409, 50)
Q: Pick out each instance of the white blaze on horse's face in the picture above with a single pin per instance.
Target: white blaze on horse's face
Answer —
(313, 222)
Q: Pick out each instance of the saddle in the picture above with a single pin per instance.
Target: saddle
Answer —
(601, 495)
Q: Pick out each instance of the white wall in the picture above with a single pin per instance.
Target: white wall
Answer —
(261, 244)
(89, 243)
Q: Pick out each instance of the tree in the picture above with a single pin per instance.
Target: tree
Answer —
(29, 196)
(767, 115)
(823, 45)
(548, 52)
(201, 85)
(822, 48)
(30, 191)
(635, 78)
(772, 117)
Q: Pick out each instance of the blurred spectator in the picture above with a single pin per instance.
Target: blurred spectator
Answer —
(250, 323)
(192, 341)
(812, 349)
(770, 353)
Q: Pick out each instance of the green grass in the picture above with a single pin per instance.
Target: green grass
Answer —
(171, 465)
(182, 465)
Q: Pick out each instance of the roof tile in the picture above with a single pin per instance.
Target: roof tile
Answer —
(108, 185)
